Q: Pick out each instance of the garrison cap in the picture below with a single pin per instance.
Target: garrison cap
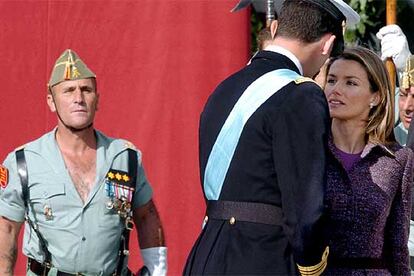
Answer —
(69, 67)
(331, 6)
(407, 79)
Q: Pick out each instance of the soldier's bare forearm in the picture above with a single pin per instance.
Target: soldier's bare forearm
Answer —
(8, 261)
(9, 231)
(150, 231)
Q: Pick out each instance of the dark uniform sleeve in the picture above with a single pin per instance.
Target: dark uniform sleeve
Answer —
(398, 222)
(300, 150)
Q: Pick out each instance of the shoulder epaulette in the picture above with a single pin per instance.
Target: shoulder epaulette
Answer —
(20, 147)
(129, 145)
(315, 270)
(303, 79)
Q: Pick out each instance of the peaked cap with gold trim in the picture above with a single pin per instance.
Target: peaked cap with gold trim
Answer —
(69, 67)
(407, 78)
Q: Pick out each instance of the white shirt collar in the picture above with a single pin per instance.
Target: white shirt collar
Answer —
(286, 53)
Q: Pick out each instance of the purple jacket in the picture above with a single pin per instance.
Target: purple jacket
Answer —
(368, 212)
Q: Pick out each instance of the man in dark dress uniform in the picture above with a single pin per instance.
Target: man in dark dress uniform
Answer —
(263, 138)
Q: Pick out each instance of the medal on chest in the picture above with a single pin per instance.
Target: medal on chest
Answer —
(119, 189)
(47, 211)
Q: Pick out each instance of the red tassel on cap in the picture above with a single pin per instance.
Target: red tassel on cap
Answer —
(66, 74)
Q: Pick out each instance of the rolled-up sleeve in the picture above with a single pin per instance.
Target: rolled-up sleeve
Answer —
(11, 202)
(143, 190)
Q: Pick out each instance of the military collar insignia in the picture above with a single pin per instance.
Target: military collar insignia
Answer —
(4, 177)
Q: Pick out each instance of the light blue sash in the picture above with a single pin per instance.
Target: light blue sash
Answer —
(222, 153)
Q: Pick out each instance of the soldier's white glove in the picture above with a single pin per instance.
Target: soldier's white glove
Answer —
(411, 239)
(394, 45)
(155, 259)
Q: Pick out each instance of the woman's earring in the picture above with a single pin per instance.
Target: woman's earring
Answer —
(371, 105)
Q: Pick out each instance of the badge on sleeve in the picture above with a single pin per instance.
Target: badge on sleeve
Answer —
(4, 176)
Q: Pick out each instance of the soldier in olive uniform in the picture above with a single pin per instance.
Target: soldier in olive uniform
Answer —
(78, 191)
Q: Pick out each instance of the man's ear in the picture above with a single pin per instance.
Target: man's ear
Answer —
(273, 28)
(50, 101)
(327, 46)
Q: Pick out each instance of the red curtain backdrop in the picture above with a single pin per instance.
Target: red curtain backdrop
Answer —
(156, 64)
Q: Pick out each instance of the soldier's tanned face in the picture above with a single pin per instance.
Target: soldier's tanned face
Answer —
(75, 101)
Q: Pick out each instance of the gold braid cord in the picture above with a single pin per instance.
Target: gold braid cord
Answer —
(408, 74)
(315, 270)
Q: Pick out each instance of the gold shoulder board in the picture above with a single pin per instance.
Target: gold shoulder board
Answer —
(303, 79)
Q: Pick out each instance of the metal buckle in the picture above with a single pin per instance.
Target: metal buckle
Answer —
(46, 268)
(47, 265)
(129, 225)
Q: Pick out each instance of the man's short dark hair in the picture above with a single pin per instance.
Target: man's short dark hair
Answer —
(307, 22)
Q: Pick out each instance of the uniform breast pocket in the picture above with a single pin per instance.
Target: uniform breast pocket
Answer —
(47, 200)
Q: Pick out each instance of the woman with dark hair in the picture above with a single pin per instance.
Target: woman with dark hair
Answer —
(369, 175)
